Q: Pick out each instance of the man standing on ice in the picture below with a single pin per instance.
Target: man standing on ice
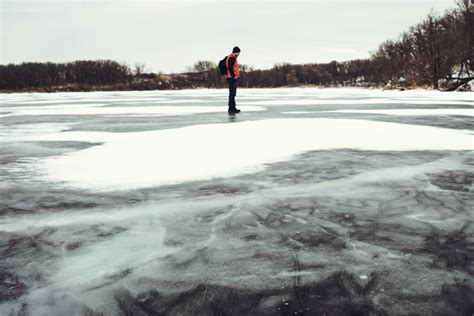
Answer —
(233, 74)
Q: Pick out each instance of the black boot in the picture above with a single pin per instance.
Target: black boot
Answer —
(233, 110)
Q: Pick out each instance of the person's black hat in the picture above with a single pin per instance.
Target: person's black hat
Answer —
(236, 50)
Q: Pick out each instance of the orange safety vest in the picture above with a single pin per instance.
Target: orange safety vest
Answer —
(236, 67)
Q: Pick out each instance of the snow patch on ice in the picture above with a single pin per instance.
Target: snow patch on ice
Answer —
(146, 159)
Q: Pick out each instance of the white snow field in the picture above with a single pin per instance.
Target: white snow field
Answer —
(310, 201)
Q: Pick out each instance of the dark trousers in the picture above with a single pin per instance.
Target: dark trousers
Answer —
(232, 92)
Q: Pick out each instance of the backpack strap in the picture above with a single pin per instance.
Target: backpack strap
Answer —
(230, 71)
(227, 61)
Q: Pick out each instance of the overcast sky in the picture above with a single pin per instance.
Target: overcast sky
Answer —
(170, 35)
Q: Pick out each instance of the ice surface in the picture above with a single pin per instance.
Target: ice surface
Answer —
(358, 101)
(37, 129)
(159, 110)
(127, 161)
(301, 207)
(412, 112)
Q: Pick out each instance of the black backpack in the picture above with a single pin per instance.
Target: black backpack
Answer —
(223, 66)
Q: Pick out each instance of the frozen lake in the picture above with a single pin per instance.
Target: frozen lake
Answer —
(310, 201)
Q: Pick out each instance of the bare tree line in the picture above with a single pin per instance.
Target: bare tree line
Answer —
(437, 48)
(36, 75)
(440, 47)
